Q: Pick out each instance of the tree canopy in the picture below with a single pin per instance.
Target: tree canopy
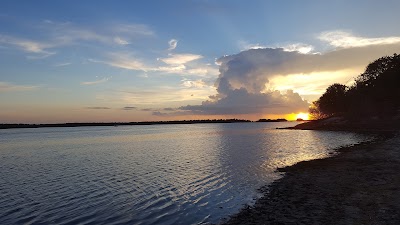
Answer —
(374, 93)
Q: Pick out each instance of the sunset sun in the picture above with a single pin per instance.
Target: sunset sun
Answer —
(303, 116)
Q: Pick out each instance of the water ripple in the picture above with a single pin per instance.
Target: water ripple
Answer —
(160, 175)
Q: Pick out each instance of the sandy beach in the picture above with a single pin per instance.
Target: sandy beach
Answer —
(359, 185)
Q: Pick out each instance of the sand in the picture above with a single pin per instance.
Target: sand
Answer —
(359, 185)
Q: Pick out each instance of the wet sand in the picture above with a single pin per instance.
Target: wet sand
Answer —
(359, 185)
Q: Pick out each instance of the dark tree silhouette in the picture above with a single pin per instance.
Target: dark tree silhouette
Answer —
(315, 112)
(375, 93)
(333, 101)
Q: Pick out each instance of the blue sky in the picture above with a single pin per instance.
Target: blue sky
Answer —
(71, 61)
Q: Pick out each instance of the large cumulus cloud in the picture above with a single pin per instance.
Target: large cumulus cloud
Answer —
(240, 101)
(241, 84)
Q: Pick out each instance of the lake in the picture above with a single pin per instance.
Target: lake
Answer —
(157, 174)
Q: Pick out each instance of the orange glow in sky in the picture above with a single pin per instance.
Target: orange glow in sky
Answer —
(300, 115)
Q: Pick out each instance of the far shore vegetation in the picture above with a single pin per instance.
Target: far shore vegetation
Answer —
(8, 126)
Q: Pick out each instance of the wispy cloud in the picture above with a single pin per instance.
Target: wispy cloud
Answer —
(174, 59)
(103, 80)
(129, 108)
(9, 87)
(72, 35)
(121, 41)
(343, 39)
(194, 83)
(28, 46)
(62, 64)
(160, 95)
(290, 47)
(174, 64)
(133, 29)
(203, 71)
(173, 43)
(97, 107)
(61, 34)
(121, 34)
(169, 109)
(177, 69)
(124, 61)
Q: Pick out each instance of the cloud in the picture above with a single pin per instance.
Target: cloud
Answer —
(133, 29)
(181, 64)
(98, 107)
(252, 69)
(169, 109)
(129, 108)
(244, 86)
(176, 59)
(194, 83)
(240, 101)
(244, 45)
(124, 61)
(28, 46)
(9, 87)
(343, 39)
(62, 64)
(173, 43)
(62, 34)
(72, 35)
(173, 112)
(121, 41)
(177, 69)
(103, 80)
(290, 47)
(68, 33)
(159, 95)
(158, 113)
(298, 47)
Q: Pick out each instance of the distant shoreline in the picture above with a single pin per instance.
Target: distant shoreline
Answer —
(113, 124)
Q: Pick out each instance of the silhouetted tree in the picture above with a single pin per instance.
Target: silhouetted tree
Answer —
(375, 92)
(375, 70)
(315, 112)
(333, 101)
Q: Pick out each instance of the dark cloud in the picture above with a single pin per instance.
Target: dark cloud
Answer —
(240, 101)
(169, 109)
(96, 107)
(174, 113)
(129, 108)
(158, 113)
(147, 109)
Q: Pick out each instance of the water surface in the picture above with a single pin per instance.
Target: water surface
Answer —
(158, 174)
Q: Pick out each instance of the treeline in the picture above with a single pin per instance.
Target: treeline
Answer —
(375, 93)
(8, 126)
(272, 120)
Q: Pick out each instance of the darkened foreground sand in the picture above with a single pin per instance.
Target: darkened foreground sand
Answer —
(360, 185)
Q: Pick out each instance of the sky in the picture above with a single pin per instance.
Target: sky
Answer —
(119, 61)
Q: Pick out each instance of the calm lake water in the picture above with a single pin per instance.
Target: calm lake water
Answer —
(159, 174)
